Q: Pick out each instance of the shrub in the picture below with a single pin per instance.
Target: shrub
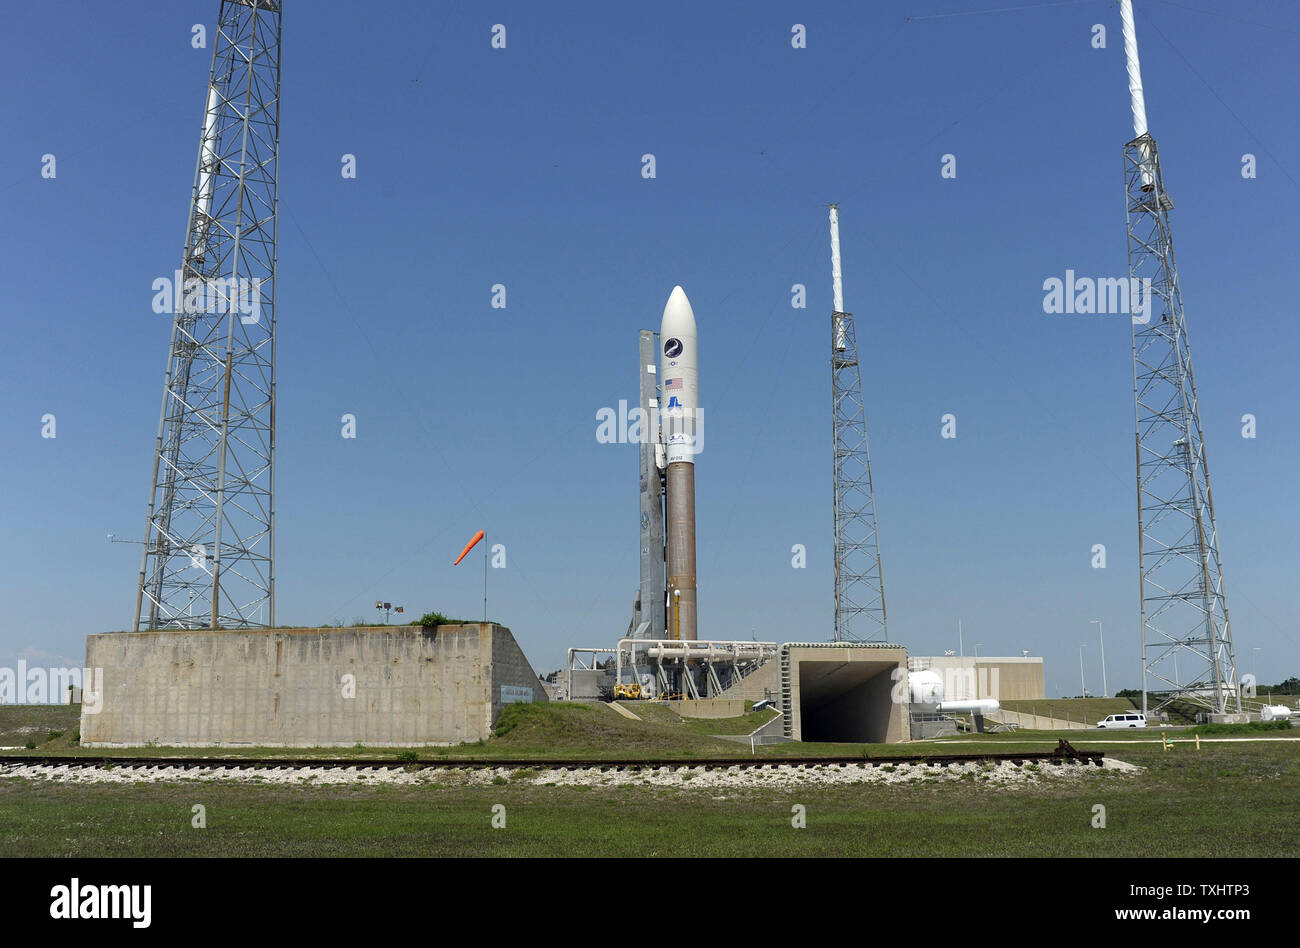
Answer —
(431, 620)
(1242, 728)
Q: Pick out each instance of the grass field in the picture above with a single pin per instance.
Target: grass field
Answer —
(745, 724)
(575, 730)
(1227, 799)
(34, 722)
(1092, 710)
(1088, 710)
(581, 730)
(1232, 797)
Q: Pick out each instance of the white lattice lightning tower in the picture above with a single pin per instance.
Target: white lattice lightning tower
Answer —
(1187, 653)
(209, 546)
(859, 582)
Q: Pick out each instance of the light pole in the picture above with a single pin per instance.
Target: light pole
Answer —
(1105, 691)
(1082, 687)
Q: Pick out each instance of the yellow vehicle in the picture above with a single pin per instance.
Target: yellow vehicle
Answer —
(631, 692)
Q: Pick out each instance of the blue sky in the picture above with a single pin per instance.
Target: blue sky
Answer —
(522, 166)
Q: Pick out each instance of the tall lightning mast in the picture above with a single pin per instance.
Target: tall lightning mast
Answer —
(209, 544)
(859, 581)
(1186, 636)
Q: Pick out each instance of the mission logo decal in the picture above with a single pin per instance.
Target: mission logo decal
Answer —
(673, 348)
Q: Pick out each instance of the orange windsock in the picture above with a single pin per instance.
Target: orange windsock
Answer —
(468, 546)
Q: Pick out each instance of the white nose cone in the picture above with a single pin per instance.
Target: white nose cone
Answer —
(679, 369)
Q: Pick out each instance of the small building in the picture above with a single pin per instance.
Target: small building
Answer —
(969, 678)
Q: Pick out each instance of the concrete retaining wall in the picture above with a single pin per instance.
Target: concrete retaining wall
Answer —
(587, 683)
(390, 686)
(763, 682)
(708, 708)
(1037, 722)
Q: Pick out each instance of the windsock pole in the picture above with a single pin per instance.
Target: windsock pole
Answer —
(480, 536)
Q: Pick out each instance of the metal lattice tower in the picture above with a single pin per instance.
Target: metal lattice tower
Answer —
(210, 540)
(1186, 636)
(859, 581)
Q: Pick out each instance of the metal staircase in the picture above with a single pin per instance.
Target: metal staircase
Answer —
(787, 712)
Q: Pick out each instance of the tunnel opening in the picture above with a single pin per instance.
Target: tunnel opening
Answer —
(846, 701)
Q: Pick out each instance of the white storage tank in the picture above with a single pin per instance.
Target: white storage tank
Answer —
(926, 687)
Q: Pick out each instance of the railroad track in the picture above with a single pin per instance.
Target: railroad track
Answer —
(1063, 754)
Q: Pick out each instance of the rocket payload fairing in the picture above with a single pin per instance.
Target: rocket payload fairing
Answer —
(680, 373)
(1137, 98)
(679, 417)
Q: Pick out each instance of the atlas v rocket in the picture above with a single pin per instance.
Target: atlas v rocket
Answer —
(679, 371)
(669, 398)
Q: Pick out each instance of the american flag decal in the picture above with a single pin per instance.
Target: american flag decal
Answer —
(672, 385)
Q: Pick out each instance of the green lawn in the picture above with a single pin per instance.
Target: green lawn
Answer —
(745, 724)
(654, 711)
(569, 729)
(20, 723)
(1087, 710)
(1092, 710)
(658, 713)
(1233, 797)
(576, 730)
(1227, 799)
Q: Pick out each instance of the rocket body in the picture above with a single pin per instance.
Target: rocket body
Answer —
(1137, 98)
(679, 422)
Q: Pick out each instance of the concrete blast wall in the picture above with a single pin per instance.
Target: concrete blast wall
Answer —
(384, 685)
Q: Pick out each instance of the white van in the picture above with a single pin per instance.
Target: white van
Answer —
(1128, 719)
